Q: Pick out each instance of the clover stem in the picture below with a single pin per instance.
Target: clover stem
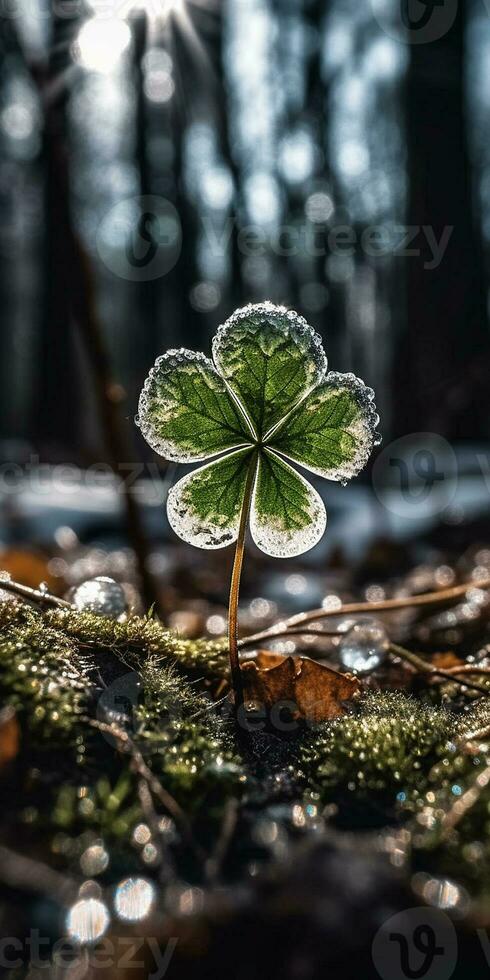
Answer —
(236, 674)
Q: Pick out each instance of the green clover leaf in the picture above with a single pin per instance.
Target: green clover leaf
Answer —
(266, 401)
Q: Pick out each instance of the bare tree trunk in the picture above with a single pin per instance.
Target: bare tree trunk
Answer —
(441, 375)
(55, 428)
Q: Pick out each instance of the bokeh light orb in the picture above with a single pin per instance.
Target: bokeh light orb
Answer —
(101, 43)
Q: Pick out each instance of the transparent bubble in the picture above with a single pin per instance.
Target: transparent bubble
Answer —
(364, 647)
(102, 596)
(444, 894)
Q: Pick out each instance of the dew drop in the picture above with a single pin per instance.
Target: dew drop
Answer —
(364, 647)
(102, 596)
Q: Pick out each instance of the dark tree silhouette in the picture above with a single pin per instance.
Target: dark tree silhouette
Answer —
(443, 361)
(56, 395)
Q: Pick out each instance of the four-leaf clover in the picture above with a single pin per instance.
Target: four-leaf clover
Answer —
(264, 401)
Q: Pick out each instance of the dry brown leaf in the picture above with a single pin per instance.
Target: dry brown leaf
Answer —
(313, 691)
(266, 659)
(445, 660)
(29, 568)
(9, 736)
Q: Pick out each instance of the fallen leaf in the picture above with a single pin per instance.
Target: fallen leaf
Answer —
(266, 659)
(445, 660)
(313, 691)
(30, 568)
(9, 736)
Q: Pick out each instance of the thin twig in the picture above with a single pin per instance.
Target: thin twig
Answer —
(37, 596)
(291, 631)
(27, 874)
(126, 745)
(215, 862)
(423, 667)
(428, 599)
(153, 821)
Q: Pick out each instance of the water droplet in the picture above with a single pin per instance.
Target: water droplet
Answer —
(102, 596)
(364, 647)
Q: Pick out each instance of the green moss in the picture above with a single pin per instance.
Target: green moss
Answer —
(106, 809)
(43, 675)
(179, 730)
(385, 748)
(63, 670)
(141, 637)
(60, 671)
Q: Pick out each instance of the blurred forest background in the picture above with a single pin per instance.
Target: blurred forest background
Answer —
(165, 162)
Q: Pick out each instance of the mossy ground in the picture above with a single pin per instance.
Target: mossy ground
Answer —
(394, 759)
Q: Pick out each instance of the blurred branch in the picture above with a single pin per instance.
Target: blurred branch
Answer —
(26, 874)
(444, 597)
(36, 596)
(424, 667)
(228, 827)
(126, 746)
